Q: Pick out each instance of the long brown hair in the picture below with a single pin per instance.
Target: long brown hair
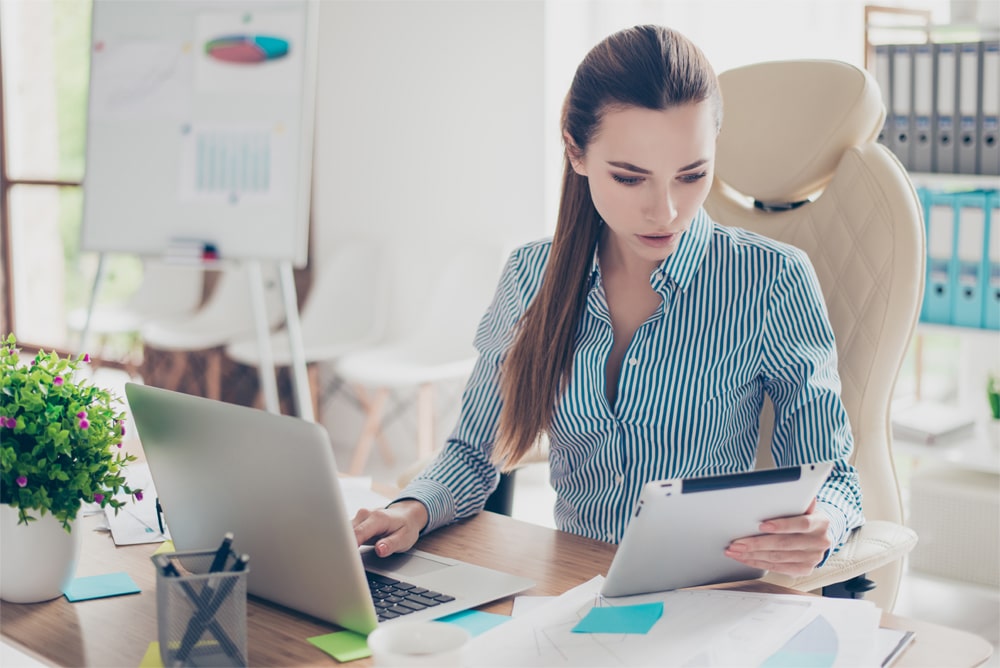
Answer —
(649, 67)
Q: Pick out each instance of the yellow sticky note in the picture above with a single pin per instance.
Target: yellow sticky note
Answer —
(166, 547)
(151, 659)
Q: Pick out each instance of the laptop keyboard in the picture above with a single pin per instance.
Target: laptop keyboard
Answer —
(394, 598)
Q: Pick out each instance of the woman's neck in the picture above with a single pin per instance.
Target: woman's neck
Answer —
(617, 261)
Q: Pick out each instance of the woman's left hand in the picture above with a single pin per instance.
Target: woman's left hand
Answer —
(789, 545)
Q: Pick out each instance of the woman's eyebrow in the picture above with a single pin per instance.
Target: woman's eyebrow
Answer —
(640, 170)
(629, 166)
(696, 163)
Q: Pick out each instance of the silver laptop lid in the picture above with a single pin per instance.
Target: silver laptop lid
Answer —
(269, 479)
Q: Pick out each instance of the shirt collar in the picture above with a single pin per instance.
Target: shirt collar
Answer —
(681, 266)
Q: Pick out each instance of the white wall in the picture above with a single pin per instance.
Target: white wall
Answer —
(429, 129)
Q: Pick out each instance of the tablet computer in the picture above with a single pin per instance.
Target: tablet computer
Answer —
(680, 528)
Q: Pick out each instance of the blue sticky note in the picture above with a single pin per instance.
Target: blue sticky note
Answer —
(621, 619)
(475, 621)
(101, 586)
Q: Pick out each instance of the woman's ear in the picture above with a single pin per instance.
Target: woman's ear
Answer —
(574, 155)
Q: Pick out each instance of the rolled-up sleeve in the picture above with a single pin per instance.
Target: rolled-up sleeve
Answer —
(800, 370)
(459, 480)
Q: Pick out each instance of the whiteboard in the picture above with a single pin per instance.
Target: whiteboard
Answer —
(200, 127)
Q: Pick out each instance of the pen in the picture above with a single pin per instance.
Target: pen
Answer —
(166, 566)
(219, 562)
(159, 514)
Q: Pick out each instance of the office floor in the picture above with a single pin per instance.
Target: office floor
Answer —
(943, 601)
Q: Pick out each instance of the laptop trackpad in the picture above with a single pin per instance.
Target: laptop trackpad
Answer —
(403, 565)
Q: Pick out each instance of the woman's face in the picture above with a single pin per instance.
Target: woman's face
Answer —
(649, 173)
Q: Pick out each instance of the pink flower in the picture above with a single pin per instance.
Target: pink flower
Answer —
(123, 428)
(138, 496)
(57, 380)
(10, 423)
(81, 414)
(98, 498)
(21, 481)
(118, 444)
(84, 424)
(86, 357)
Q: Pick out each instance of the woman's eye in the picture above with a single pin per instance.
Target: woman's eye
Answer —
(692, 178)
(627, 180)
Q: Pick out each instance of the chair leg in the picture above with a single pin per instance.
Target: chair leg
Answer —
(179, 367)
(312, 372)
(425, 420)
(371, 429)
(213, 375)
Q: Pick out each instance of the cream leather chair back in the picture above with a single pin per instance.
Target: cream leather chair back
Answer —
(797, 161)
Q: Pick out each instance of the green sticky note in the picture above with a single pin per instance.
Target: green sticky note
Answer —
(475, 621)
(101, 586)
(621, 619)
(343, 645)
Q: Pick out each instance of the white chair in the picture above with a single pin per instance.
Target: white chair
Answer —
(437, 348)
(344, 311)
(167, 292)
(226, 315)
(797, 161)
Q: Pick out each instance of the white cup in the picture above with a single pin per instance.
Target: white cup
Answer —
(437, 644)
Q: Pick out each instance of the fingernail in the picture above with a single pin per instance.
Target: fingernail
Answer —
(382, 549)
(738, 548)
(767, 526)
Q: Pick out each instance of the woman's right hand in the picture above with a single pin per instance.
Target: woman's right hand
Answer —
(393, 529)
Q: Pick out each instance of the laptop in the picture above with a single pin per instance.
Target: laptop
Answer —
(272, 481)
(680, 527)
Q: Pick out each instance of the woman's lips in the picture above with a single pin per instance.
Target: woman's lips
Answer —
(657, 240)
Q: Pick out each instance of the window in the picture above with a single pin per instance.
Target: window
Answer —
(44, 67)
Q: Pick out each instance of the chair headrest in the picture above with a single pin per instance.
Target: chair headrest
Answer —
(786, 125)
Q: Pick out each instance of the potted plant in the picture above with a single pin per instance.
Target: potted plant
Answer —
(60, 447)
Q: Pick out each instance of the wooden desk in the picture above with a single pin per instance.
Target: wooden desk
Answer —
(117, 631)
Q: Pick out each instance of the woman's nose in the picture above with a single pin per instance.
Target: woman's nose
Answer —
(662, 207)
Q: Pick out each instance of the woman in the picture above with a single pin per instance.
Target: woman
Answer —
(643, 337)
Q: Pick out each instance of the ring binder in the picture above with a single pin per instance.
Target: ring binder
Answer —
(945, 95)
(969, 84)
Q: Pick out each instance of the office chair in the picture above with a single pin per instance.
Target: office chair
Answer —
(436, 349)
(797, 161)
(344, 311)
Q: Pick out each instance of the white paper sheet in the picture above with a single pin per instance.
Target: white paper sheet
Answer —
(704, 628)
(358, 494)
(136, 521)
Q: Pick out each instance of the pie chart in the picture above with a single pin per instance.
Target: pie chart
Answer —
(247, 49)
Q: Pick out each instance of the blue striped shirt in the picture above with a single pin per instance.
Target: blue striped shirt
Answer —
(742, 316)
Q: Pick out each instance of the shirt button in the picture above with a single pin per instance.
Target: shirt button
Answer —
(619, 479)
(633, 361)
(611, 536)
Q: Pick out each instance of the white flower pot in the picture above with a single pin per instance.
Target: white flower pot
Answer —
(37, 560)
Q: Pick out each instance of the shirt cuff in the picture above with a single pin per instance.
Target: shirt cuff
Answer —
(436, 498)
(837, 531)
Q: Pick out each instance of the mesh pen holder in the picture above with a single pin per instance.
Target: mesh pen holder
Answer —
(201, 616)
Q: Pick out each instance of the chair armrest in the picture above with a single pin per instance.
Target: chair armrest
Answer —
(872, 546)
